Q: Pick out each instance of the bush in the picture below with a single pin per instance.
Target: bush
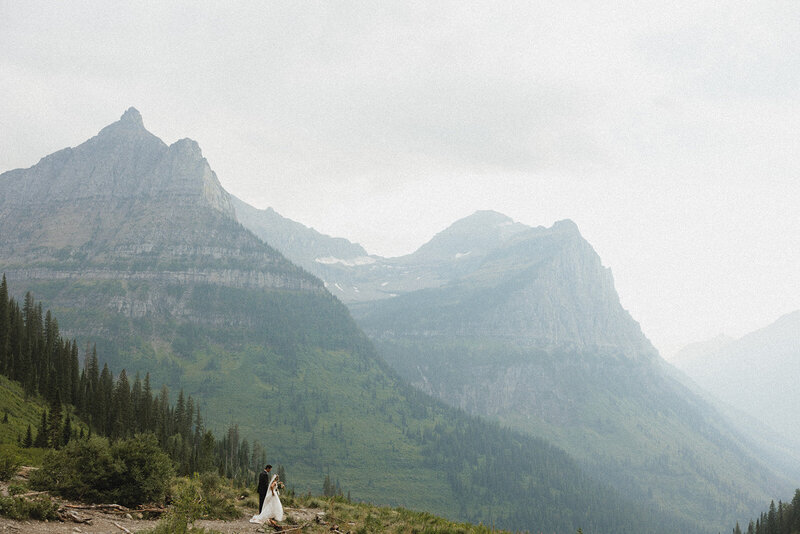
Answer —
(130, 472)
(9, 465)
(219, 503)
(21, 509)
(188, 506)
(16, 489)
(82, 470)
(147, 470)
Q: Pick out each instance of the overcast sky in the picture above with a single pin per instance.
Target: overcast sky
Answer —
(668, 133)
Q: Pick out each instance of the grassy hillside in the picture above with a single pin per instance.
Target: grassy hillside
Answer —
(22, 411)
(294, 372)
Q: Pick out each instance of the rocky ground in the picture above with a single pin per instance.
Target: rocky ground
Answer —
(105, 523)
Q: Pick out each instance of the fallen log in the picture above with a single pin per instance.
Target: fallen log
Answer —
(32, 494)
(304, 525)
(121, 527)
(71, 515)
(114, 508)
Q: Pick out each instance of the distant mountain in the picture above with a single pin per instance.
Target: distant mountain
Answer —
(524, 325)
(756, 374)
(136, 247)
(700, 349)
(305, 245)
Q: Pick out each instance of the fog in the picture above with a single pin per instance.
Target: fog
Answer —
(667, 133)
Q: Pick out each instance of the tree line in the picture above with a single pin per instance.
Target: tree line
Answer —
(783, 518)
(33, 353)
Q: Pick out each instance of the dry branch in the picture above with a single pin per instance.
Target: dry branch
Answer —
(113, 508)
(304, 525)
(32, 494)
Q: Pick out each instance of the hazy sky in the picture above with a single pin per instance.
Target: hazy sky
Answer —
(668, 133)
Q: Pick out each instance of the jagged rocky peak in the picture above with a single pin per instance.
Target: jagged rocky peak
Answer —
(129, 124)
(123, 161)
(133, 117)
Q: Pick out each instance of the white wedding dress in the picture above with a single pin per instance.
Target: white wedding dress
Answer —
(272, 507)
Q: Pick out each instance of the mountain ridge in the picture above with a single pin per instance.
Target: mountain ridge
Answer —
(148, 265)
(526, 328)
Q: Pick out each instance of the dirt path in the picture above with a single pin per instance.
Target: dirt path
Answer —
(103, 523)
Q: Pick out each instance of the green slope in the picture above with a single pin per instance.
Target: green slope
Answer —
(297, 375)
(23, 411)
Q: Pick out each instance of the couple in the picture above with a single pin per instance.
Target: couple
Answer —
(269, 502)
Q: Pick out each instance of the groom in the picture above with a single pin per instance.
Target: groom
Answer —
(263, 485)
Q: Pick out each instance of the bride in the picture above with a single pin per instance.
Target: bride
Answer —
(272, 509)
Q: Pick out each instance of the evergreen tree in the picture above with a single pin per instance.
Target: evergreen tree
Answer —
(105, 394)
(772, 519)
(161, 415)
(28, 441)
(74, 373)
(136, 405)
(92, 399)
(206, 456)
(147, 406)
(179, 420)
(121, 407)
(54, 423)
(41, 435)
(66, 433)
(794, 514)
(5, 326)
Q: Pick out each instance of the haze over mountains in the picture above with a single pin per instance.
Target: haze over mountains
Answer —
(523, 325)
(756, 374)
(136, 246)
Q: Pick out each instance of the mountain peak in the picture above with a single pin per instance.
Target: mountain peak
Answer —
(566, 226)
(129, 125)
(133, 117)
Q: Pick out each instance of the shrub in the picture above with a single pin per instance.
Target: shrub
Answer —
(219, 503)
(9, 465)
(16, 489)
(21, 509)
(130, 472)
(146, 473)
(188, 506)
(82, 470)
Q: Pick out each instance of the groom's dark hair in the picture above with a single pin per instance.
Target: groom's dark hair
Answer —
(268, 467)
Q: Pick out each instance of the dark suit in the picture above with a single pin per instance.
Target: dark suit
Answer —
(263, 486)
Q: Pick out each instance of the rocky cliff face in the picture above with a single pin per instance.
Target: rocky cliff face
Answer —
(483, 275)
(539, 287)
(125, 206)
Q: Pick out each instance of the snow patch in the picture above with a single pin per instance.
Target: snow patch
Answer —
(339, 287)
(384, 284)
(352, 262)
(462, 254)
